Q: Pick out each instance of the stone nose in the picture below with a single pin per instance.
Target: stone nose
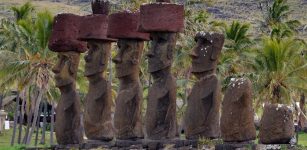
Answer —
(192, 54)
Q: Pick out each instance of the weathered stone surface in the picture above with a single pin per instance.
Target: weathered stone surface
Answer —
(100, 7)
(94, 28)
(160, 55)
(277, 125)
(68, 128)
(166, 1)
(128, 116)
(64, 34)
(161, 122)
(206, 52)
(205, 101)
(237, 120)
(123, 25)
(98, 101)
(161, 17)
(205, 98)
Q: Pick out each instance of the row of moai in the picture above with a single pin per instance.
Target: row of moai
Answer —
(158, 23)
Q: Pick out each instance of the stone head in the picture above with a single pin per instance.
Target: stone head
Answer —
(66, 68)
(96, 59)
(128, 57)
(206, 51)
(160, 55)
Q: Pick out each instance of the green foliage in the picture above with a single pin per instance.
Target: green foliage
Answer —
(277, 12)
(277, 22)
(208, 142)
(280, 70)
(237, 36)
(23, 12)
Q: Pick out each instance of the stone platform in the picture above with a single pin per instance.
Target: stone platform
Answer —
(129, 144)
(244, 146)
(175, 144)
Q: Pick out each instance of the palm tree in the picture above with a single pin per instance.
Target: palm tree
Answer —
(277, 14)
(236, 53)
(23, 12)
(280, 70)
(30, 68)
(237, 38)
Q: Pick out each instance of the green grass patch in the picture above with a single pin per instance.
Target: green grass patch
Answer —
(6, 136)
(302, 139)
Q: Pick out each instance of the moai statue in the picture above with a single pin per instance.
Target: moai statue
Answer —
(276, 126)
(128, 117)
(162, 21)
(203, 110)
(98, 102)
(237, 120)
(64, 41)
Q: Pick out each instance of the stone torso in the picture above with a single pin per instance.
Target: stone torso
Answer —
(161, 120)
(202, 116)
(128, 121)
(98, 103)
(68, 128)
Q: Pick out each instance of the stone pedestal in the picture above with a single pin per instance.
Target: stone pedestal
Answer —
(2, 120)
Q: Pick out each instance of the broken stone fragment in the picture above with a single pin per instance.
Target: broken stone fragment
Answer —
(237, 120)
(100, 7)
(276, 126)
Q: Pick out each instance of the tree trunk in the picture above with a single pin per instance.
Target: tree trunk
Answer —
(52, 123)
(44, 123)
(21, 118)
(15, 120)
(30, 115)
(1, 99)
(33, 96)
(36, 109)
(302, 120)
(37, 124)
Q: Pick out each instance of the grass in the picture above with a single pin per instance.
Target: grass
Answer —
(302, 139)
(53, 7)
(5, 140)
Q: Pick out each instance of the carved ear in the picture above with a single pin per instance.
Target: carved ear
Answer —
(217, 44)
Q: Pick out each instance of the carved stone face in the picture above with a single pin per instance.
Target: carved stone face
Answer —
(66, 68)
(160, 54)
(206, 51)
(128, 57)
(97, 57)
(200, 55)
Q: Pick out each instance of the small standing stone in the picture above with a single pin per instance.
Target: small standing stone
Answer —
(237, 120)
(276, 126)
